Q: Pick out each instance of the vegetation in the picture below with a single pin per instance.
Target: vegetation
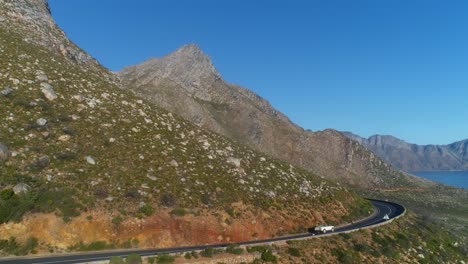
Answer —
(411, 239)
(234, 249)
(12, 247)
(165, 259)
(133, 259)
(116, 260)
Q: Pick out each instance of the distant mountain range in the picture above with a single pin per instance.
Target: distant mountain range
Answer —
(411, 157)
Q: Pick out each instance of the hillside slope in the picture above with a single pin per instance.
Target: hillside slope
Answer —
(412, 157)
(82, 160)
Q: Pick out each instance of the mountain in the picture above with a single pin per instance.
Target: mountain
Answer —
(412, 157)
(187, 83)
(83, 161)
(85, 164)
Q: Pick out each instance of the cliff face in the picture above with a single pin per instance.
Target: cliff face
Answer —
(412, 157)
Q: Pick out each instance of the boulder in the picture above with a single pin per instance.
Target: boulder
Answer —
(3, 152)
(48, 91)
(234, 161)
(174, 163)
(90, 160)
(7, 91)
(42, 77)
(21, 188)
(41, 122)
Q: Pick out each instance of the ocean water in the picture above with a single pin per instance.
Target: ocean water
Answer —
(453, 178)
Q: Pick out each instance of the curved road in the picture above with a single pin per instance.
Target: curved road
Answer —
(382, 208)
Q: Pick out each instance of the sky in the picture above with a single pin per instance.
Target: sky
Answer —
(392, 67)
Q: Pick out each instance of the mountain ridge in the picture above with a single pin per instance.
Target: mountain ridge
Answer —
(412, 157)
(198, 93)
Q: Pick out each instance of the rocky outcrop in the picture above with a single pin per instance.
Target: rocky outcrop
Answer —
(412, 157)
(32, 18)
(187, 83)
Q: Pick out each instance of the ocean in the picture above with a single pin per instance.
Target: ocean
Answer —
(453, 178)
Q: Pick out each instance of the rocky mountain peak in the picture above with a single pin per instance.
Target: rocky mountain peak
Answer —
(189, 68)
(33, 18)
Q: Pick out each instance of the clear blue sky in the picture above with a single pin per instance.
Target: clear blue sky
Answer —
(394, 67)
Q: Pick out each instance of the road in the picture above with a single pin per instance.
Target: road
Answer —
(382, 208)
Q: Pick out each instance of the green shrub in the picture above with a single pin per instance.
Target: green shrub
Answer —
(179, 212)
(6, 194)
(234, 249)
(195, 254)
(268, 256)
(147, 210)
(165, 259)
(151, 260)
(116, 260)
(11, 246)
(188, 255)
(117, 220)
(207, 253)
(295, 252)
(133, 259)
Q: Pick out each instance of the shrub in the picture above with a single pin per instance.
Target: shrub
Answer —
(11, 246)
(179, 212)
(165, 259)
(168, 200)
(188, 255)
(234, 249)
(116, 260)
(195, 254)
(133, 259)
(147, 210)
(207, 253)
(117, 220)
(268, 256)
(294, 252)
(151, 260)
(6, 194)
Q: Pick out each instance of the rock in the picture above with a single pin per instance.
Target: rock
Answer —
(234, 161)
(48, 91)
(64, 138)
(21, 188)
(111, 140)
(79, 98)
(151, 177)
(49, 177)
(7, 91)
(262, 159)
(42, 78)
(174, 163)
(3, 152)
(90, 160)
(42, 162)
(41, 122)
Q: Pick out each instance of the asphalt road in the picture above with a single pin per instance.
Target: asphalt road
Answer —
(381, 209)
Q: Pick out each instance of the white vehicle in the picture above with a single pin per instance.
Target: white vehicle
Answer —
(324, 228)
